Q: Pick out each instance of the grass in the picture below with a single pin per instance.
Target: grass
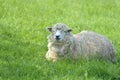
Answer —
(23, 42)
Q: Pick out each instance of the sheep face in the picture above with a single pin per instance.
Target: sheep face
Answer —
(59, 32)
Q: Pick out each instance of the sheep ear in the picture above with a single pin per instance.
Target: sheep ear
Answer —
(49, 29)
(69, 30)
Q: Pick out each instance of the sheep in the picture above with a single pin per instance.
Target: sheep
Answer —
(88, 44)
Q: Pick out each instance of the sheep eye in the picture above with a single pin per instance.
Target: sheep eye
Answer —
(65, 31)
(53, 30)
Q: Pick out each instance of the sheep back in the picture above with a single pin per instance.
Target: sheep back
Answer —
(92, 44)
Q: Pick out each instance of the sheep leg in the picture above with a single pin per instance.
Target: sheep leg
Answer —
(51, 55)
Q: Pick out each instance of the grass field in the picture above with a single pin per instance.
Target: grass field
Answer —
(23, 42)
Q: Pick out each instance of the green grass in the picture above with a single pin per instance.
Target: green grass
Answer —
(23, 38)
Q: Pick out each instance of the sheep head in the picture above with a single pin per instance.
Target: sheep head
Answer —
(59, 32)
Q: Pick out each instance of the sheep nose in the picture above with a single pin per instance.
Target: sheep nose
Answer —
(57, 37)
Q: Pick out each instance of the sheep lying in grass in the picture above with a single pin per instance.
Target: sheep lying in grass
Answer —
(86, 44)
